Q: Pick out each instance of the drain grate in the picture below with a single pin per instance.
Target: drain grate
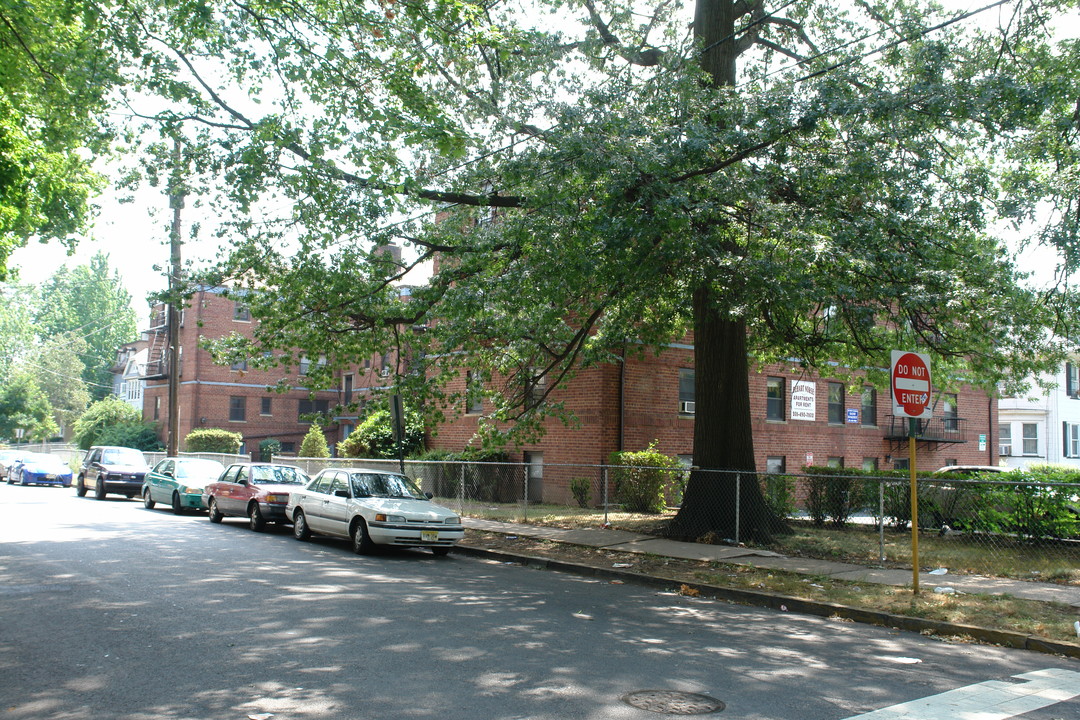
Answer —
(672, 702)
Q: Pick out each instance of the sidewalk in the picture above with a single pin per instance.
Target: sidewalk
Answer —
(629, 542)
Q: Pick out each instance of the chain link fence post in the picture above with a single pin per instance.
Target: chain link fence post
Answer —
(525, 494)
(881, 521)
(603, 474)
(738, 504)
(461, 489)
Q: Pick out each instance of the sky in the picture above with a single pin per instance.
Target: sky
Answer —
(135, 237)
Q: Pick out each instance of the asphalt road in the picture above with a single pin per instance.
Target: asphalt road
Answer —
(109, 610)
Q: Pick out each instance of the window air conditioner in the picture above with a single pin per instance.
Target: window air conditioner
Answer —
(1005, 450)
(686, 407)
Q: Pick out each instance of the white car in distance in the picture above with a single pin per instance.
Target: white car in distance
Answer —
(372, 508)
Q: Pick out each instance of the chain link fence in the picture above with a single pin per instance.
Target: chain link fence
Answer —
(985, 525)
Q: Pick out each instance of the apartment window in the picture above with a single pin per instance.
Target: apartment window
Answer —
(288, 447)
(474, 397)
(1072, 380)
(265, 406)
(347, 388)
(237, 408)
(686, 391)
(950, 421)
(1071, 440)
(869, 464)
(309, 407)
(1005, 439)
(157, 408)
(305, 364)
(835, 462)
(901, 464)
(241, 313)
(869, 407)
(774, 398)
(776, 464)
(1031, 438)
(836, 403)
(240, 365)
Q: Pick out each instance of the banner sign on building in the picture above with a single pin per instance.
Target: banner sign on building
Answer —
(803, 400)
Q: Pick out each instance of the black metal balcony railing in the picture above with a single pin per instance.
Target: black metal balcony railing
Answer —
(937, 429)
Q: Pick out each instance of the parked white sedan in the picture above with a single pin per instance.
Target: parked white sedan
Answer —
(372, 508)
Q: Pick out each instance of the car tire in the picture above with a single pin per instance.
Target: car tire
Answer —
(440, 551)
(177, 506)
(256, 521)
(212, 512)
(300, 529)
(22, 479)
(10, 480)
(148, 499)
(361, 541)
(80, 487)
(99, 489)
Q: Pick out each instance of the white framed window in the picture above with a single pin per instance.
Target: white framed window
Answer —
(1070, 440)
(1031, 438)
(1005, 444)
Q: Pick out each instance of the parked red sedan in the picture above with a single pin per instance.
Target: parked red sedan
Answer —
(257, 491)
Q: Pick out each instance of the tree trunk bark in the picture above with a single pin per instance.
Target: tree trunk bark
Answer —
(723, 436)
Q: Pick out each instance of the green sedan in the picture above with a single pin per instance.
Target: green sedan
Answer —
(179, 483)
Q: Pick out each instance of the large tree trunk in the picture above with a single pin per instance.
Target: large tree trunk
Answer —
(723, 437)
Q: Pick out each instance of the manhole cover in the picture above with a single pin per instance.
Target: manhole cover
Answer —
(671, 702)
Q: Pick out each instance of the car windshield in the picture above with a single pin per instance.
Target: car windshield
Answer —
(122, 456)
(384, 485)
(49, 460)
(198, 468)
(278, 475)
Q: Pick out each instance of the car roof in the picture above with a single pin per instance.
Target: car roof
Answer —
(971, 468)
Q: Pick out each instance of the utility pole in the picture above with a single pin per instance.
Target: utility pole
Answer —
(176, 201)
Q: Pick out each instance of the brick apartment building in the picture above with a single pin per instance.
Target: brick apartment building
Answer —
(216, 396)
(799, 419)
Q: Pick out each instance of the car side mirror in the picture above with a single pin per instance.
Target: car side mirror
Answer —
(167, 473)
(429, 495)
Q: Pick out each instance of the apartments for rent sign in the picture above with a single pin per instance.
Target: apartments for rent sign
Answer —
(803, 400)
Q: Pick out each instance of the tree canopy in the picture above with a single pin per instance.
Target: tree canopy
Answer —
(90, 303)
(56, 72)
(806, 180)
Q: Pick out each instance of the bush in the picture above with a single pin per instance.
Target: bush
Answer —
(141, 436)
(581, 489)
(642, 478)
(484, 480)
(833, 494)
(213, 440)
(779, 493)
(374, 438)
(103, 414)
(314, 444)
(268, 448)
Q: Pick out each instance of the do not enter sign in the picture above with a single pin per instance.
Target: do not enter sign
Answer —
(911, 384)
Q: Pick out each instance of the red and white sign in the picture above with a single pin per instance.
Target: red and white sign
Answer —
(911, 384)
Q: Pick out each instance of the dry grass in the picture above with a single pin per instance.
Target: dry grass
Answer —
(1048, 620)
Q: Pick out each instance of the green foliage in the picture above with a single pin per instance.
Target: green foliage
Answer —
(104, 413)
(314, 444)
(581, 489)
(58, 364)
(374, 437)
(213, 440)
(642, 478)
(779, 493)
(57, 66)
(24, 406)
(89, 301)
(268, 448)
(141, 436)
(832, 494)
(478, 473)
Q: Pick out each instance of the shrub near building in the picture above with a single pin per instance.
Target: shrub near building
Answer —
(213, 440)
(643, 480)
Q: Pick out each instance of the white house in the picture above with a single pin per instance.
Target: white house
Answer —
(1043, 430)
(129, 373)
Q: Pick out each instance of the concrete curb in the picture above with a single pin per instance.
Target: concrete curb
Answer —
(799, 605)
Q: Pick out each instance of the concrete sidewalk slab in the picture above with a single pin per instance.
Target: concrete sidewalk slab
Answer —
(691, 551)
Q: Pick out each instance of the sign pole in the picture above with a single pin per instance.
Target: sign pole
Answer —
(912, 428)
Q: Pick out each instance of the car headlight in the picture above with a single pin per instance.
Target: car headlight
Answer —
(277, 498)
(382, 517)
(192, 490)
(452, 521)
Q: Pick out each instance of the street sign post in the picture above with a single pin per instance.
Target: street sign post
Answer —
(911, 389)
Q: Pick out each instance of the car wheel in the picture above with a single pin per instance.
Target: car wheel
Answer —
(300, 529)
(80, 487)
(10, 480)
(147, 499)
(361, 541)
(177, 508)
(99, 489)
(22, 479)
(255, 518)
(213, 513)
(440, 551)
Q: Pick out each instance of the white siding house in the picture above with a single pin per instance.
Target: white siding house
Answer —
(1043, 430)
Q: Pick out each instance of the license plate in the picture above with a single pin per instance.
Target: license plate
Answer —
(429, 535)
(50, 477)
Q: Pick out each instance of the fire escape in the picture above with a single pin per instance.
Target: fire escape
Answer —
(157, 355)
